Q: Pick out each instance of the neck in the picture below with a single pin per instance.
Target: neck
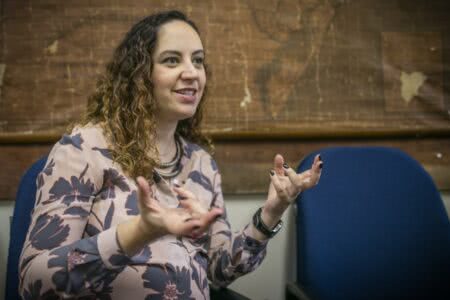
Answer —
(166, 140)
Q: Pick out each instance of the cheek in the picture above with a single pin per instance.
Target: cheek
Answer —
(203, 80)
(158, 83)
(203, 77)
(160, 79)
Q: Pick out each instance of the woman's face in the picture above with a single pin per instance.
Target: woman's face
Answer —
(178, 74)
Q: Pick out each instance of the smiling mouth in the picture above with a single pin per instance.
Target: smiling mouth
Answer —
(186, 92)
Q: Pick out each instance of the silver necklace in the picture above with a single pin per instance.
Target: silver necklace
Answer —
(172, 168)
(174, 159)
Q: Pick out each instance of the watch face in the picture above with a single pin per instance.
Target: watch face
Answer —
(277, 228)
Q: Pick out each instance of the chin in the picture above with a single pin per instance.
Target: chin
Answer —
(185, 115)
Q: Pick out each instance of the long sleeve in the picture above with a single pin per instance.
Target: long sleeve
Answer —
(231, 254)
(57, 259)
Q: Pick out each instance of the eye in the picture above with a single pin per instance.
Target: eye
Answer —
(198, 61)
(170, 61)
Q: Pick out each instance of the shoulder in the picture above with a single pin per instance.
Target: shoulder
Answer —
(88, 135)
(80, 152)
(88, 140)
(84, 138)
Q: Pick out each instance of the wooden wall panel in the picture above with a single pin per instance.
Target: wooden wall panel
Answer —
(245, 165)
(278, 65)
(330, 71)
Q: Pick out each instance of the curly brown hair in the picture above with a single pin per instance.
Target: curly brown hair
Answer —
(123, 105)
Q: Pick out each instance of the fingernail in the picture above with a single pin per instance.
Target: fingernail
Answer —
(181, 197)
(196, 227)
(321, 165)
(286, 166)
(320, 158)
(272, 173)
(156, 177)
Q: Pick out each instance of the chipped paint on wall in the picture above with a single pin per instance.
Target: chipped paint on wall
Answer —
(247, 98)
(411, 84)
(53, 48)
(2, 73)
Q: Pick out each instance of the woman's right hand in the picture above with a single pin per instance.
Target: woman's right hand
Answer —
(191, 219)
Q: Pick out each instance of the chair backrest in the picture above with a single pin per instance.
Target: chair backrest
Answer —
(374, 228)
(24, 203)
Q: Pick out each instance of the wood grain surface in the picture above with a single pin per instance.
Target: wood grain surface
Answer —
(288, 76)
(277, 65)
(245, 165)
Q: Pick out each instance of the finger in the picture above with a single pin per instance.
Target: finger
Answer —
(187, 228)
(309, 178)
(183, 193)
(277, 185)
(315, 175)
(187, 204)
(305, 175)
(306, 179)
(212, 215)
(278, 162)
(317, 164)
(189, 201)
(206, 221)
(294, 178)
(144, 192)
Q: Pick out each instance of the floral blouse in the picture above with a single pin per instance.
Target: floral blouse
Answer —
(71, 250)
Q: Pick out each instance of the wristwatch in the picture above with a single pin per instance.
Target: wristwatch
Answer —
(259, 224)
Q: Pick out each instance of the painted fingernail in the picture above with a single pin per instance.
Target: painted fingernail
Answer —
(181, 197)
(321, 165)
(196, 227)
(272, 173)
(320, 158)
(156, 177)
(286, 166)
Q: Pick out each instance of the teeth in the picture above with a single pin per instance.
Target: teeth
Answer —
(186, 92)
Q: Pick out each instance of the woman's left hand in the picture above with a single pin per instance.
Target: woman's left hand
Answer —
(286, 184)
(205, 217)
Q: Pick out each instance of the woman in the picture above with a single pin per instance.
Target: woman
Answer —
(98, 233)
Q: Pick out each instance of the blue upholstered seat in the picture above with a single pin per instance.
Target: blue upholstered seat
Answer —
(374, 228)
(25, 199)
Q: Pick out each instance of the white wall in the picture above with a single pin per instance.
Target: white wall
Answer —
(269, 280)
(266, 283)
(6, 210)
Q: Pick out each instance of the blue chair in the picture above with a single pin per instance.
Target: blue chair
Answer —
(24, 204)
(25, 199)
(374, 228)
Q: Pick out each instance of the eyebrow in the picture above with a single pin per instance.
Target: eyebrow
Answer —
(179, 53)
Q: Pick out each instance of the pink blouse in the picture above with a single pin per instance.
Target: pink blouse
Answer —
(71, 250)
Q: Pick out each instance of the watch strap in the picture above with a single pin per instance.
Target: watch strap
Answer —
(263, 228)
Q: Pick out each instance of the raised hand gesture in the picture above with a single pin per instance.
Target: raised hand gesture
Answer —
(190, 219)
(286, 184)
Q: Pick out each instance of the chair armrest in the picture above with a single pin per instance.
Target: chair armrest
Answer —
(221, 293)
(294, 292)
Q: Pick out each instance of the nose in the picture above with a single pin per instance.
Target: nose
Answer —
(189, 72)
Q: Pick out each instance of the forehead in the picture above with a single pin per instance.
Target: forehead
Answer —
(177, 35)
